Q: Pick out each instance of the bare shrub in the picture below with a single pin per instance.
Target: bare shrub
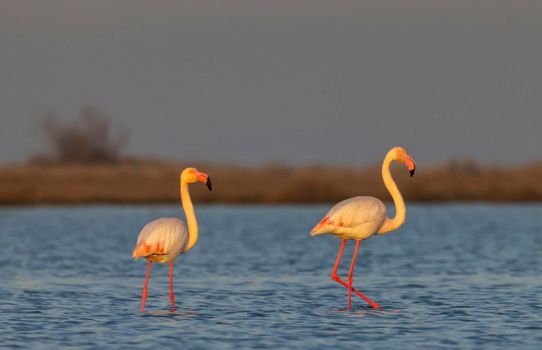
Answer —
(88, 139)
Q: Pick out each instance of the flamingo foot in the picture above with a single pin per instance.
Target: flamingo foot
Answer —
(337, 279)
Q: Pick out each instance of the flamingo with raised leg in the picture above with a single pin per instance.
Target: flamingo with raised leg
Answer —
(361, 217)
(162, 240)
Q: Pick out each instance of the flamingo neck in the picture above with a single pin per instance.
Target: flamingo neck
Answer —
(391, 224)
(190, 216)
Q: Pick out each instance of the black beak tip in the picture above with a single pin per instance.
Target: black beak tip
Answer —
(412, 172)
(209, 184)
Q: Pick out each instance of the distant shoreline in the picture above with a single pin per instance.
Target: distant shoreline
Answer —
(156, 182)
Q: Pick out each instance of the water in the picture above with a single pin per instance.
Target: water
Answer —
(453, 276)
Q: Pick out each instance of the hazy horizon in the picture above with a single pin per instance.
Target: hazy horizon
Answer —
(254, 82)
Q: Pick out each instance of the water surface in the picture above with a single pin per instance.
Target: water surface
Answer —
(453, 276)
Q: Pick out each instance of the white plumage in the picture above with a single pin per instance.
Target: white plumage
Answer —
(354, 218)
(161, 240)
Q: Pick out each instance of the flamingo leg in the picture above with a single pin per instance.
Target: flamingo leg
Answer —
(171, 295)
(351, 274)
(335, 277)
(144, 295)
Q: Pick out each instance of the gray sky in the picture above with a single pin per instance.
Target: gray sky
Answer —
(293, 81)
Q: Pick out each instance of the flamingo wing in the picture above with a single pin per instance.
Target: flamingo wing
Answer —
(161, 240)
(354, 218)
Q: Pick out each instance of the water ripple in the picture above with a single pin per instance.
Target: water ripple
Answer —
(451, 278)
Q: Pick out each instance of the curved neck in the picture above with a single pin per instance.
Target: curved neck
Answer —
(190, 216)
(391, 224)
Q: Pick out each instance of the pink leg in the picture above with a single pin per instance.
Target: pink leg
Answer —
(144, 296)
(334, 275)
(171, 296)
(337, 279)
(351, 273)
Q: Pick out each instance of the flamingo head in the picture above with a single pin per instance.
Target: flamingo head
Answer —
(401, 155)
(192, 175)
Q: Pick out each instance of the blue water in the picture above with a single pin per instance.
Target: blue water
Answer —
(454, 276)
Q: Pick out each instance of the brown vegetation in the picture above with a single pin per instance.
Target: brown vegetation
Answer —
(84, 165)
(152, 181)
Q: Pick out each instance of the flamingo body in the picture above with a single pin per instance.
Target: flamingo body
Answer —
(361, 217)
(161, 240)
(355, 218)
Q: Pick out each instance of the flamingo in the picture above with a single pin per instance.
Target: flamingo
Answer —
(361, 217)
(162, 240)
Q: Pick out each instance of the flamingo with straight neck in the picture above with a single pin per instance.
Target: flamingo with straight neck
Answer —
(162, 240)
(361, 217)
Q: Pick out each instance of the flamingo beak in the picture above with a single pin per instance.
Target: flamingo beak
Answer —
(204, 178)
(411, 165)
